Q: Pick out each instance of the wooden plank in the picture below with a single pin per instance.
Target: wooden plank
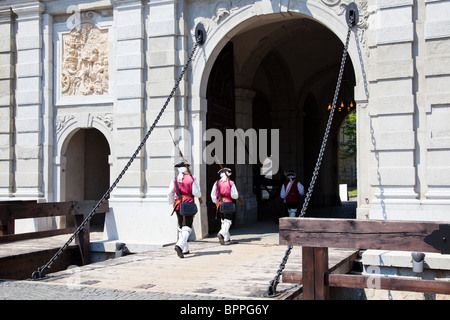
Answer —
(322, 291)
(389, 283)
(20, 267)
(308, 273)
(342, 267)
(36, 210)
(314, 268)
(34, 235)
(86, 206)
(360, 234)
(82, 239)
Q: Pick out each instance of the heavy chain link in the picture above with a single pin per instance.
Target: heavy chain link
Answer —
(40, 271)
(272, 290)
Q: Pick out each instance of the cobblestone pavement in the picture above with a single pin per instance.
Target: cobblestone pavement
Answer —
(37, 290)
(34, 290)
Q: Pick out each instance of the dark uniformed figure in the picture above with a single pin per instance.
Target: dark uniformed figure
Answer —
(223, 193)
(181, 190)
(291, 192)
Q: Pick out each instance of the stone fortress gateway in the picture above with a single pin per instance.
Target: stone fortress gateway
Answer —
(81, 82)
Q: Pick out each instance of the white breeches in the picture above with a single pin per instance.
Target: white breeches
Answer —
(183, 236)
(225, 229)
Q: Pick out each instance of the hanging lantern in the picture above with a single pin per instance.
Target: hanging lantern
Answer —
(346, 97)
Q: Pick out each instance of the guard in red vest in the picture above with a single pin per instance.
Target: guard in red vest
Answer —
(291, 192)
(182, 191)
(223, 193)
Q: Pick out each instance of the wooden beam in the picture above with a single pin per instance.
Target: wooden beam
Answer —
(20, 267)
(389, 283)
(308, 273)
(35, 235)
(359, 234)
(377, 282)
(37, 210)
(315, 267)
(83, 239)
(342, 267)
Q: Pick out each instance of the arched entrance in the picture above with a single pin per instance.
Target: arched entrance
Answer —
(86, 172)
(290, 66)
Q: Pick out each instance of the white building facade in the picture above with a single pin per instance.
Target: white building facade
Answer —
(81, 82)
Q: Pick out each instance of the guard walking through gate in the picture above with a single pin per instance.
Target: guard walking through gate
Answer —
(291, 193)
(223, 193)
(181, 193)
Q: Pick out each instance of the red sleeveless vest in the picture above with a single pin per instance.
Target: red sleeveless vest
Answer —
(185, 188)
(225, 190)
(293, 195)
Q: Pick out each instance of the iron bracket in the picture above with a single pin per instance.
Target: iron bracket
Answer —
(352, 11)
(440, 239)
(200, 33)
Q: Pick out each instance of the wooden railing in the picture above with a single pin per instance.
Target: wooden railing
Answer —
(315, 236)
(13, 210)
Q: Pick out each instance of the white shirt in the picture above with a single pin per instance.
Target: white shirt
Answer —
(234, 192)
(172, 191)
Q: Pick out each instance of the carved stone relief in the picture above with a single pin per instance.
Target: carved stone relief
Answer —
(84, 69)
(62, 121)
(222, 9)
(107, 119)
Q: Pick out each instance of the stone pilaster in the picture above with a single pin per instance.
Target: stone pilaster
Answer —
(129, 95)
(391, 110)
(166, 57)
(247, 213)
(434, 105)
(28, 121)
(7, 57)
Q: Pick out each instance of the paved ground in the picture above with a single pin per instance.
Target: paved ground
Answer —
(35, 290)
(251, 246)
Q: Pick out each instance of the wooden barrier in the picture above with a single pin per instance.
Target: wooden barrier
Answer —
(13, 210)
(317, 235)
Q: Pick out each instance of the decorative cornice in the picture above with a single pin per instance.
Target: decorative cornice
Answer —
(28, 8)
(6, 15)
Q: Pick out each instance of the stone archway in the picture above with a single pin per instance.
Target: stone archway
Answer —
(86, 173)
(296, 74)
(265, 37)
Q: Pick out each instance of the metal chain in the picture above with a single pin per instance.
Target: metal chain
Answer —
(271, 291)
(40, 271)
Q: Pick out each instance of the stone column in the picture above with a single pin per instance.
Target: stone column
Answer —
(433, 98)
(248, 212)
(129, 96)
(166, 56)
(283, 119)
(28, 120)
(7, 58)
(391, 111)
(130, 220)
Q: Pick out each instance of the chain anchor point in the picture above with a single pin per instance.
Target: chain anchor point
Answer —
(352, 14)
(200, 33)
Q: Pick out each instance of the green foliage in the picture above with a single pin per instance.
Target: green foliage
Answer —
(348, 147)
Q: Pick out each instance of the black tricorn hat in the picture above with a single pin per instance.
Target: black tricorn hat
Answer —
(228, 171)
(182, 164)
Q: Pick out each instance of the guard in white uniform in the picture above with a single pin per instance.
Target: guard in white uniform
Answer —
(291, 191)
(182, 190)
(223, 193)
